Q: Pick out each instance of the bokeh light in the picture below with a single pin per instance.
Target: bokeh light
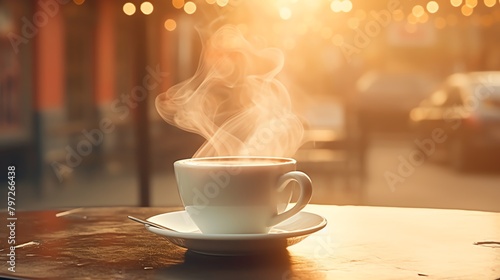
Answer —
(285, 13)
(456, 3)
(471, 3)
(190, 8)
(78, 2)
(466, 10)
(432, 7)
(129, 9)
(418, 11)
(170, 24)
(211, 1)
(347, 6)
(178, 4)
(490, 3)
(412, 19)
(222, 3)
(147, 8)
(424, 18)
(338, 6)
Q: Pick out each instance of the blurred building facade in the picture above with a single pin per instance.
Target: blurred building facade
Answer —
(71, 81)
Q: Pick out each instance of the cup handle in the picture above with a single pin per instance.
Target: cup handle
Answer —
(305, 185)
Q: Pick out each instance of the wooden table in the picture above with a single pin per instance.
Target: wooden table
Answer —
(358, 243)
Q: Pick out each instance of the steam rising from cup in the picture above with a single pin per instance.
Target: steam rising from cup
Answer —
(235, 101)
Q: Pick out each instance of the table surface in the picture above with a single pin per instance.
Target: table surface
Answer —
(358, 243)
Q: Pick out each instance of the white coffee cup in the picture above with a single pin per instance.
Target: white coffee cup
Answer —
(231, 195)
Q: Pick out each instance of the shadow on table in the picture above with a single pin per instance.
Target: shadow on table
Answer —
(273, 265)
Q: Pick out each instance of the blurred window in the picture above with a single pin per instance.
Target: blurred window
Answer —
(79, 47)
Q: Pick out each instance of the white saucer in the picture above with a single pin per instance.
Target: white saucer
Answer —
(285, 234)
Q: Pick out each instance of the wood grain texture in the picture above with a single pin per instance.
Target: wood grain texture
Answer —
(358, 243)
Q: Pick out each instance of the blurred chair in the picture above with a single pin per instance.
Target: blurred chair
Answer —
(331, 143)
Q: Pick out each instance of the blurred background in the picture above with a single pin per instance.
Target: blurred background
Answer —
(400, 99)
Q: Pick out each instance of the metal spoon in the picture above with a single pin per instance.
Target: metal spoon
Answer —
(150, 223)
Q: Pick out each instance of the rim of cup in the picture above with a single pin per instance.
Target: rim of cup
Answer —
(268, 160)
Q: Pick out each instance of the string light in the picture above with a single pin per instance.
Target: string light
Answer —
(412, 19)
(490, 3)
(147, 8)
(432, 7)
(190, 8)
(418, 11)
(456, 3)
(178, 4)
(466, 10)
(338, 6)
(222, 3)
(129, 9)
(170, 24)
(424, 18)
(347, 7)
(471, 3)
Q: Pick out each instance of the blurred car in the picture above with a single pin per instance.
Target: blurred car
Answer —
(466, 109)
(384, 100)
